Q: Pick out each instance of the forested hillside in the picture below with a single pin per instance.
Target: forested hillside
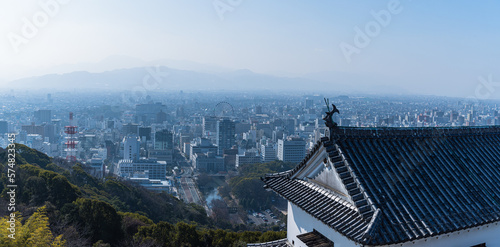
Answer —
(61, 204)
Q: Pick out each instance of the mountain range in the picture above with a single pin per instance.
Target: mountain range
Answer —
(162, 78)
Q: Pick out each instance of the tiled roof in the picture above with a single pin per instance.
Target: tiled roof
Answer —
(405, 184)
(276, 243)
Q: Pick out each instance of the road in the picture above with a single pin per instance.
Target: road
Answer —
(189, 192)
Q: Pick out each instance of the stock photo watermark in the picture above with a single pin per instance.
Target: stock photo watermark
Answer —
(224, 6)
(11, 185)
(150, 82)
(485, 88)
(364, 36)
(30, 27)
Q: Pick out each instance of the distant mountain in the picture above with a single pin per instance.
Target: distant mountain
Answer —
(167, 79)
(123, 79)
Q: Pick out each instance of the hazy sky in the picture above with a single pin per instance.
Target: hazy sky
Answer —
(426, 46)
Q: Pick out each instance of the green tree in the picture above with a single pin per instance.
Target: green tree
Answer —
(162, 233)
(186, 235)
(101, 218)
(35, 232)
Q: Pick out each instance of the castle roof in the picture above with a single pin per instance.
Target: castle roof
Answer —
(392, 185)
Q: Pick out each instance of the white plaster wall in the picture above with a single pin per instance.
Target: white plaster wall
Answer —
(300, 222)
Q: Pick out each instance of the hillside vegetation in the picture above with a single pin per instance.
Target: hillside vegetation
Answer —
(61, 204)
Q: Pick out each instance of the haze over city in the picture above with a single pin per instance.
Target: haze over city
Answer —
(227, 123)
(399, 47)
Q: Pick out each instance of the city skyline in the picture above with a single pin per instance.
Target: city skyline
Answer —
(250, 123)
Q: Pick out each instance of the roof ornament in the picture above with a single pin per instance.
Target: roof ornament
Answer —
(328, 118)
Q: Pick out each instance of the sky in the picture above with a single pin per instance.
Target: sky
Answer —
(433, 47)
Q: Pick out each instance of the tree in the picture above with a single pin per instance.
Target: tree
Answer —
(162, 234)
(220, 213)
(35, 232)
(186, 235)
(101, 218)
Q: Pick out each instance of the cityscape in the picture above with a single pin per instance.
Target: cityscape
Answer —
(151, 140)
(233, 123)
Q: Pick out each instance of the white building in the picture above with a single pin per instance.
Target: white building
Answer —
(97, 167)
(247, 158)
(201, 145)
(100, 153)
(291, 149)
(208, 162)
(155, 185)
(421, 187)
(153, 168)
(131, 147)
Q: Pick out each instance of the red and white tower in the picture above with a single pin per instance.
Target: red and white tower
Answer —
(71, 140)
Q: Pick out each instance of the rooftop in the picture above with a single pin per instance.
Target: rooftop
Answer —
(399, 184)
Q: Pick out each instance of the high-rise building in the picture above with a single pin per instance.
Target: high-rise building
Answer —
(247, 158)
(4, 127)
(230, 158)
(148, 113)
(209, 125)
(43, 116)
(131, 146)
(110, 124)
(309, 103)
(34, 129)
(161, 117)
(145, 132)
(163, 146)
(163, 140)
(201, 145)
(225, 135)
(292, 149)
(208, 162)
(130, 128)
(258, 109)
(268, 153)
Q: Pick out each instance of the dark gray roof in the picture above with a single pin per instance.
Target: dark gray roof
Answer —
(406, 184)
(276, 243)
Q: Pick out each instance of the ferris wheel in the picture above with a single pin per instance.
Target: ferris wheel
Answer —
(223, 109)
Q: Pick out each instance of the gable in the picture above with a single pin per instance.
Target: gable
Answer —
(320, 170)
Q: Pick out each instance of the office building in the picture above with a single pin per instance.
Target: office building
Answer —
(150, 168)
(291, 149)
(225, 135)
(131, 147)
(247, 158)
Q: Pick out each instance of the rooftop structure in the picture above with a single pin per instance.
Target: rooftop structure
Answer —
(382, 186)
(393, 186)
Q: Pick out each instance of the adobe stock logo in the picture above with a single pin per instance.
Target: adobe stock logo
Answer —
(31, 26)
(371, 30)
(150, 83)
(223, 6)
(485, 88)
